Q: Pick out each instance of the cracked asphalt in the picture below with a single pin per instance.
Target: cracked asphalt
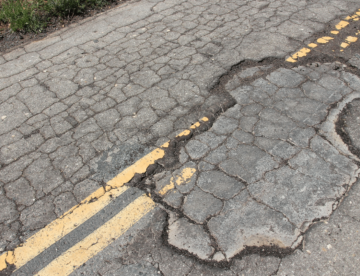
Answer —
(266, 184)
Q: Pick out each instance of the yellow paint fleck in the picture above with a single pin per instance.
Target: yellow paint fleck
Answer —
(167, 188)
(324, 39)
(348, 18)
(302, 53)
(312, 45)
(335, 32)
(60, 227)
(356, 19)
(181, 179)
(341, 25)
(197, 124)
(185, 176)
(70, 260)
(351, 39)
(5, 259)
(290, 59)
(184, 133)
(166, 145)
(204, 119)
(139, 166)
(344, 45)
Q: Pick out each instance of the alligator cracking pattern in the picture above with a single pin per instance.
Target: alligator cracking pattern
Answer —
(136, 81)
(267, 169)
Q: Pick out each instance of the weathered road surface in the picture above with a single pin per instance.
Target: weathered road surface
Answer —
(260, 150)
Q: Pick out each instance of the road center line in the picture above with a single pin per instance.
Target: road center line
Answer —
(323, 40)
(99, 239)
(80, 213)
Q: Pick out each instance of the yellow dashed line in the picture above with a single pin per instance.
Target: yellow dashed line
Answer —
(60, 227)
(70, 260)
(323, 40)
(348, 40)
(341, 25)
(197, 124)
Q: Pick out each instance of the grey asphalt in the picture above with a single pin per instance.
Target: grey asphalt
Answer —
(82, 104)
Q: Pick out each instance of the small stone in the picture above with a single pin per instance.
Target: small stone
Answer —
(218, 257)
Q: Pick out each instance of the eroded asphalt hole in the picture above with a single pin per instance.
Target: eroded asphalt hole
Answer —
(258, 175)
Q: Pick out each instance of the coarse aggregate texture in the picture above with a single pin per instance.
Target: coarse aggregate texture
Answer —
(329, 247)
(73, 105)
(274, 172)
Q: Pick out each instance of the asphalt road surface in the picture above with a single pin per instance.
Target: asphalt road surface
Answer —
(185, 138)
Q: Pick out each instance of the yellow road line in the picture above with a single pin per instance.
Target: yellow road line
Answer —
(59, 228)
(83, 211)
(99, 239)
(323, 40)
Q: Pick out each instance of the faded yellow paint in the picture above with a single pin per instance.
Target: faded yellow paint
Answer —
(70, 260)
(351, 39)
(5, 259)
(185, 176)
(167, 188)
(197, 124)
(139, 166)
(335, 32)
(324, 39)
(83, 211)
(184, 133)
(180, 179)
(166, 145)
(60, 227)
(302, 53)
(312, 45)
(341, 25)
(347, 17)
(204, 119)
(290, 59)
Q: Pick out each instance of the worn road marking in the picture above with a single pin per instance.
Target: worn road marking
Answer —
(80, 233)
(99, 239)
(180, 179)
(323, 40)
(77, 215)
(59, 228)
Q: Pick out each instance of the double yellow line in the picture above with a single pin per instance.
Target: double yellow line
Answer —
(100, 238)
